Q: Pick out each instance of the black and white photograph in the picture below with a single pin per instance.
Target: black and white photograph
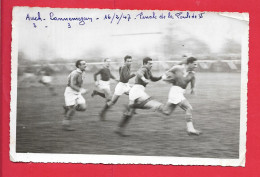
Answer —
(117, 86)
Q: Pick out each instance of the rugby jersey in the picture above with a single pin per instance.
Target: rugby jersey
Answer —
(144, 71)
(104, 73)
(124, 73)
(75, 79)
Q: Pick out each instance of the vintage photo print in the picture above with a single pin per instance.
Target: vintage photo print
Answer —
(129, 86)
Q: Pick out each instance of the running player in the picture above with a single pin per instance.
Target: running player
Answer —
(122, 87)
(46, 73)
(180, 76)
(28, 76)
(74, 100)
(138, 98)
(104, 83)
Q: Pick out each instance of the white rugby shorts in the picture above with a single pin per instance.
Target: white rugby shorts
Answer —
(73, 97)
(104, 85)
(176, 95)
(46, 79)
(136, 92)
(122, 88)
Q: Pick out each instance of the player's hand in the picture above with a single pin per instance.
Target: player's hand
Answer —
(164, 77)
(96, 83)
(192, 92)
(83, 91)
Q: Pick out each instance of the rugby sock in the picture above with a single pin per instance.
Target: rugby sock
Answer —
(126, 119)
(103, 112)
(70, 113)
(100, 94)
(190, 127)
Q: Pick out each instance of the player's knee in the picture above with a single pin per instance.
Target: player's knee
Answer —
(189, 115)
(189, 110)
(81, 107)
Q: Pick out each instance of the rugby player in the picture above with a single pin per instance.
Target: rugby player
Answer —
(180, 76)
(74, 100)
(104, 83)
(122, 87)
(138, 98)
(45, 73)
(28, 76)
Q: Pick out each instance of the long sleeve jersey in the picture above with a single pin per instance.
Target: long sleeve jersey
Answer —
(104, 73)
(125, 74)
(145, 72)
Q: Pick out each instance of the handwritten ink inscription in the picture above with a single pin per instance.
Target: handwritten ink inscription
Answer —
(111, 18)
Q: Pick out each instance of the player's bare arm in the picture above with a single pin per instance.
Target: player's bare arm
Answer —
(192, 84)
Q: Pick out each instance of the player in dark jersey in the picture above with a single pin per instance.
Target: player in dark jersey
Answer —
(74, 101)
(122, 87)
(103, 84)
(46, 73)
(138, 98)
(180, 76)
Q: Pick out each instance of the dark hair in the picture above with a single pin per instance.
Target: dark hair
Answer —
(191, 60)
(105, 59)
(127, 57)
(146, 59)
(78, 62)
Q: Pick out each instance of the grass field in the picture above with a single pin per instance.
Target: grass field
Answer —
(216, 113)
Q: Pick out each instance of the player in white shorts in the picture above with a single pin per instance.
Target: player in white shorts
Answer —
(46, 73)
(180, 76)
(122, 87)
(138, 98)
(103, 84)
(74, 101)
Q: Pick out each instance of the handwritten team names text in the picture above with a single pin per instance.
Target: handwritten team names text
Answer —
(112, 18)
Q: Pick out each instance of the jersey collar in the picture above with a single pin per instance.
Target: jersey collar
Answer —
(78, 70)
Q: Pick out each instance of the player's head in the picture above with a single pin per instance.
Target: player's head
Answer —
(147, 61)
(81, 64)
(192, 63)
(107, 62)
(128, 60)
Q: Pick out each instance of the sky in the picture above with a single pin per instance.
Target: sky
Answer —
(53, 39)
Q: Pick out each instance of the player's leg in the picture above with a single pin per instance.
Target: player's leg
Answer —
(81, 104)
(185, 105)
(113, 100)
(70, 108)
(66, 123)
(168, 108)
(107, 106)
(108, 96)
(146, 102)
(119, 90)
(46, 81)
(127, 115)
(96, 92)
